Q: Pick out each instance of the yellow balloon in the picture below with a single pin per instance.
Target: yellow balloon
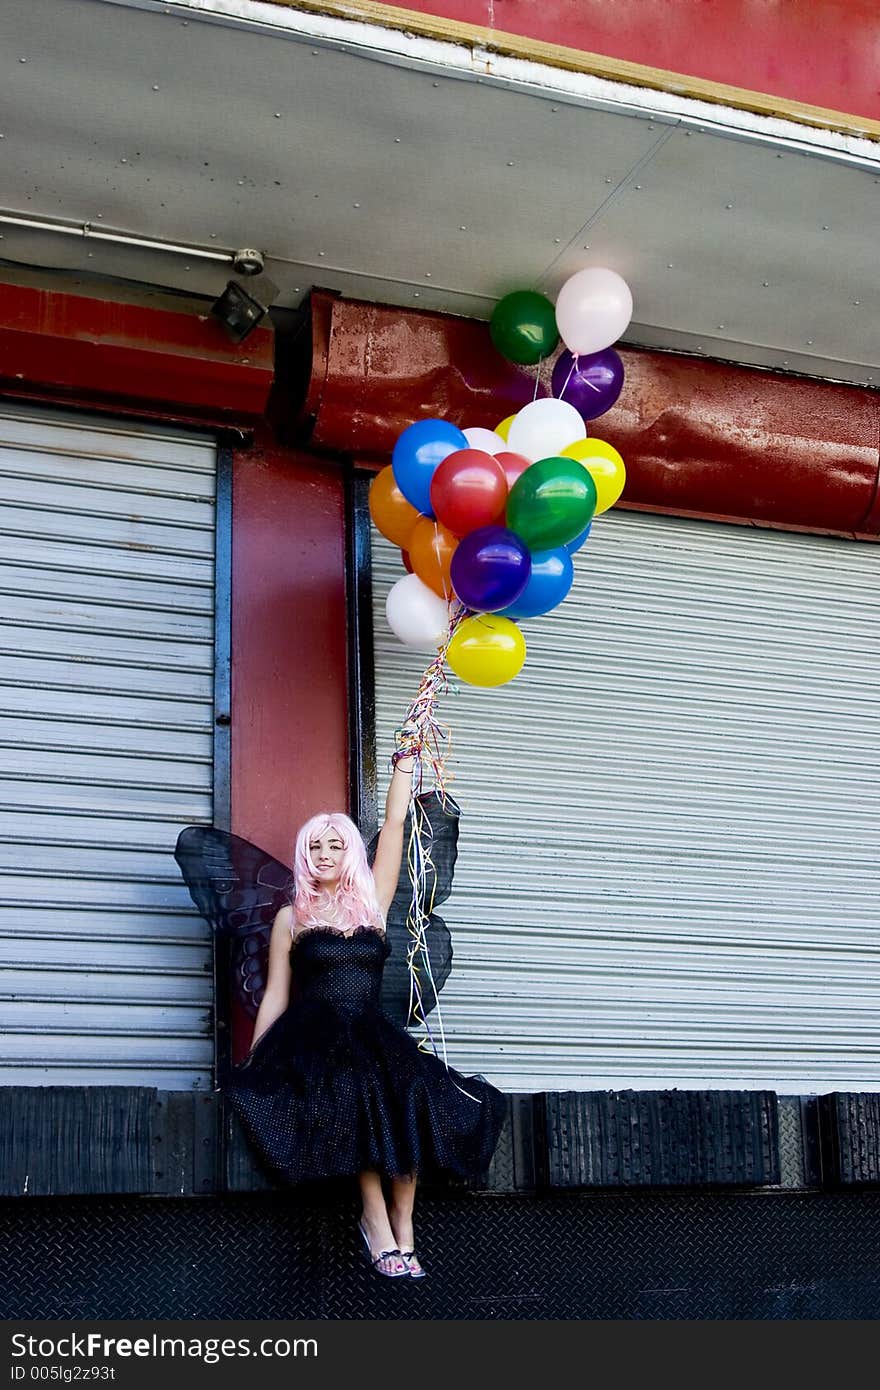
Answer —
(605, 466)
(487, 650)
(504, 428)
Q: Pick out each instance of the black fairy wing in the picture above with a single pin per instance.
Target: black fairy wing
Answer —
(239, 889)
(436, 820)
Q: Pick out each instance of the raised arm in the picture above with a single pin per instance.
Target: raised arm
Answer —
(277, 995)
(389, 851)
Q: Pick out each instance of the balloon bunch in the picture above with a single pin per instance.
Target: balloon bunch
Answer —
(488, 520)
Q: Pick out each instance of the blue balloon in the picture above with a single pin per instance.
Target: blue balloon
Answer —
(549, 582)
(490, 568)
(417, 453)
(575, 545)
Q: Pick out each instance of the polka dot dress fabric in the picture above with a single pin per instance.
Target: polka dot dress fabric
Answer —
(334, 1087)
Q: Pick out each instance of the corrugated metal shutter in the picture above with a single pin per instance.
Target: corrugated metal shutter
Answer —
(667, 873)
(106, 694)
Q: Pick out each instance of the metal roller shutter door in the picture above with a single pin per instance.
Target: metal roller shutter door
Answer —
(106, 693)
(667, 868)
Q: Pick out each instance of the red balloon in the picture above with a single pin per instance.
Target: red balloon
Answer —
(514, 466)
(404, 555)
(468, 490)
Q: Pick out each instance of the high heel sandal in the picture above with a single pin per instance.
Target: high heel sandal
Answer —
(375, 1260)
(408, 1256)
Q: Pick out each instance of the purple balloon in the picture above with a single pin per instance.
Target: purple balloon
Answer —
(490, 568)
(591, 382)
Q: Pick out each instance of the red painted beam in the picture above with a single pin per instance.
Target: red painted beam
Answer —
(289, 699)
(699, 438)
(289, 693)
(57, 346)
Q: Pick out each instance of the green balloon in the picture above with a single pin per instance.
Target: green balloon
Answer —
(523, 327)
(551, 503)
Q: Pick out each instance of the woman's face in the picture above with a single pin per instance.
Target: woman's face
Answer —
(326, 852)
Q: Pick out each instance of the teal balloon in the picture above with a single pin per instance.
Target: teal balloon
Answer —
(551, 503)
(523, 327)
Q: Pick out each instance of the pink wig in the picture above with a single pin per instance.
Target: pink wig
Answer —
(354, 903)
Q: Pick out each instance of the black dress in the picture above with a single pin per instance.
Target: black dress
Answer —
(335, 1087)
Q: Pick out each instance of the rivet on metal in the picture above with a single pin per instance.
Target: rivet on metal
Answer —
(397, 139)
(825, 227)
(355, 205)
(728, 206)
(427, 274)
(416, 294)
(435, 84)
(809, 342)
(278, 115)
(669, 265)
(721, 325)
(510, 163)
(765, 283)
(155, 86)
(856, 303)
(462, 228)
(322, 253)
(608, 180)
(22, 60)
(638, 185)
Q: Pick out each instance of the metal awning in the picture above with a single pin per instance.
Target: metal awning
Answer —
(401, 169)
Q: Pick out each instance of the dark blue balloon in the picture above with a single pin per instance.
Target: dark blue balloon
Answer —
(549, 582)
(490, 568)
(575, 545)
(416, 455)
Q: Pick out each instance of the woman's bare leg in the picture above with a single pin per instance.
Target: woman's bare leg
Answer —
(375, 1223)
(400, 1210)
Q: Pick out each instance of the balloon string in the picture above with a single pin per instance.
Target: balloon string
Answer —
(428, 740)
(571, 371)
(537, 380)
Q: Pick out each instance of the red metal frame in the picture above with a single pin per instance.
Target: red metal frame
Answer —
(699, 438)
(70, 348)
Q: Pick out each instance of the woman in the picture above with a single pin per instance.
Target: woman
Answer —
(332, 1086)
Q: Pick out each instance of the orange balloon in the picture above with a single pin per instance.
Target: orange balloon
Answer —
(392, 514)
(431, 548)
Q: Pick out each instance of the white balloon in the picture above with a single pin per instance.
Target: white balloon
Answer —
(544, 427)
(416, 615)
(593, 308)
(486, 440)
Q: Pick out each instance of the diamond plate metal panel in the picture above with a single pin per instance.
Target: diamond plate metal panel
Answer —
(623, 1255)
